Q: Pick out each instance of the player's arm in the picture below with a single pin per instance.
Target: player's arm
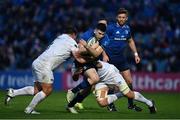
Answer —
(77, 73)
(81, 59)
(105, 56)
(95, 50)
(134, 50)
(82, 50)
(78, 57)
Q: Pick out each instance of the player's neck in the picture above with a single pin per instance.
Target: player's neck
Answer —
(119, 24)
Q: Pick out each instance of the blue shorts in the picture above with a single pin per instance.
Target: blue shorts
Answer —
(86, 66)
(120, 65)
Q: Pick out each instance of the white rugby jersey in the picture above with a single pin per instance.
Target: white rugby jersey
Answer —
(108, 72)
(58, 52)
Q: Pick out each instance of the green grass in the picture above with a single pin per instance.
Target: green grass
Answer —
(53, 107)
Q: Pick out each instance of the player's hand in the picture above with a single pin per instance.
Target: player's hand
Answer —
(83, 42)
(105, 58)
(79, 71)
(137, 59)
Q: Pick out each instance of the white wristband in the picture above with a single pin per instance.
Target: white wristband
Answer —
(135, 54)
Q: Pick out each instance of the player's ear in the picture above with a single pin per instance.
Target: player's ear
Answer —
(95, 31)
(126, 18)
(116, 17)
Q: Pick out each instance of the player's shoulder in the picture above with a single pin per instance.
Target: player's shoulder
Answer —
(89, 31)
(85, 35)
(112, 24)
(126, 26)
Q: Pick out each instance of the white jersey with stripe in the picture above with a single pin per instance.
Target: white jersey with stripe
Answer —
(58, 52)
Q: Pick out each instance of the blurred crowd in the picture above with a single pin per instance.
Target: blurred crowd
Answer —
(27, 27)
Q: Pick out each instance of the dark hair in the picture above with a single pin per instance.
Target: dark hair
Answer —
(70, 29)
(102, 17)
(101, 26)
(122, 11)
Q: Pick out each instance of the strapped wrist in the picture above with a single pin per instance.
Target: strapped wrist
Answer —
(135, 54)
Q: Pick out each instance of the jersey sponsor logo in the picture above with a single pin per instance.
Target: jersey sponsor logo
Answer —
(120, 38)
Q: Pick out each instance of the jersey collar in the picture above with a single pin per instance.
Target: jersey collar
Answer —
(120, 26)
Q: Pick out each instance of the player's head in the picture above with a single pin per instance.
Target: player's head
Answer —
(103, 20)
(122, 16)
(71, 30)
(100, 30)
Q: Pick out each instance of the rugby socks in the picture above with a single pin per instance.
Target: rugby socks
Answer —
(80, 97)
(36, 99)
(139, 97)
(84, 84)
(130, 101)
(84, 94)
(110, 91)
(75, 100)
(29, 90)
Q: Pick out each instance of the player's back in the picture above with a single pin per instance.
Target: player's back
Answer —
(58, 51)
(107, 72)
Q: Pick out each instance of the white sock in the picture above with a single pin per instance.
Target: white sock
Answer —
(111, 98)
(29, 90)
(139, 97)
(36, 99)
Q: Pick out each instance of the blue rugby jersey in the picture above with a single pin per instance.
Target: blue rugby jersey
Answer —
(118, 40)
(88, 36)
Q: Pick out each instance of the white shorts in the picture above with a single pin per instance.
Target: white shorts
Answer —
(41, 72)
(118, 80)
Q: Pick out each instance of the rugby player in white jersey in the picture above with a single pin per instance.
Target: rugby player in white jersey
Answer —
(42, 67)
(109, 75)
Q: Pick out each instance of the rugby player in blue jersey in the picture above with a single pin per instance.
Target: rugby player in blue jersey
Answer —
(89, 39)
(120, 38)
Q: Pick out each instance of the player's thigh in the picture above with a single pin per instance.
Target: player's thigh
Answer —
(92, 74)
(123, 87)
(43, 74)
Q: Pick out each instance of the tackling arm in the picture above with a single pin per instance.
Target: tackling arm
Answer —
(95, 50)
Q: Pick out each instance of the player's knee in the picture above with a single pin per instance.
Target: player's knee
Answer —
(47, 90)
(128, 81)
(35, 91)
(130, 94)
(102, 102)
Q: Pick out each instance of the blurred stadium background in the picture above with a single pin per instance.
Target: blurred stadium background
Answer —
(27, 27)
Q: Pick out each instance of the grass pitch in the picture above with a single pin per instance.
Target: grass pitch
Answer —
(53, 107)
